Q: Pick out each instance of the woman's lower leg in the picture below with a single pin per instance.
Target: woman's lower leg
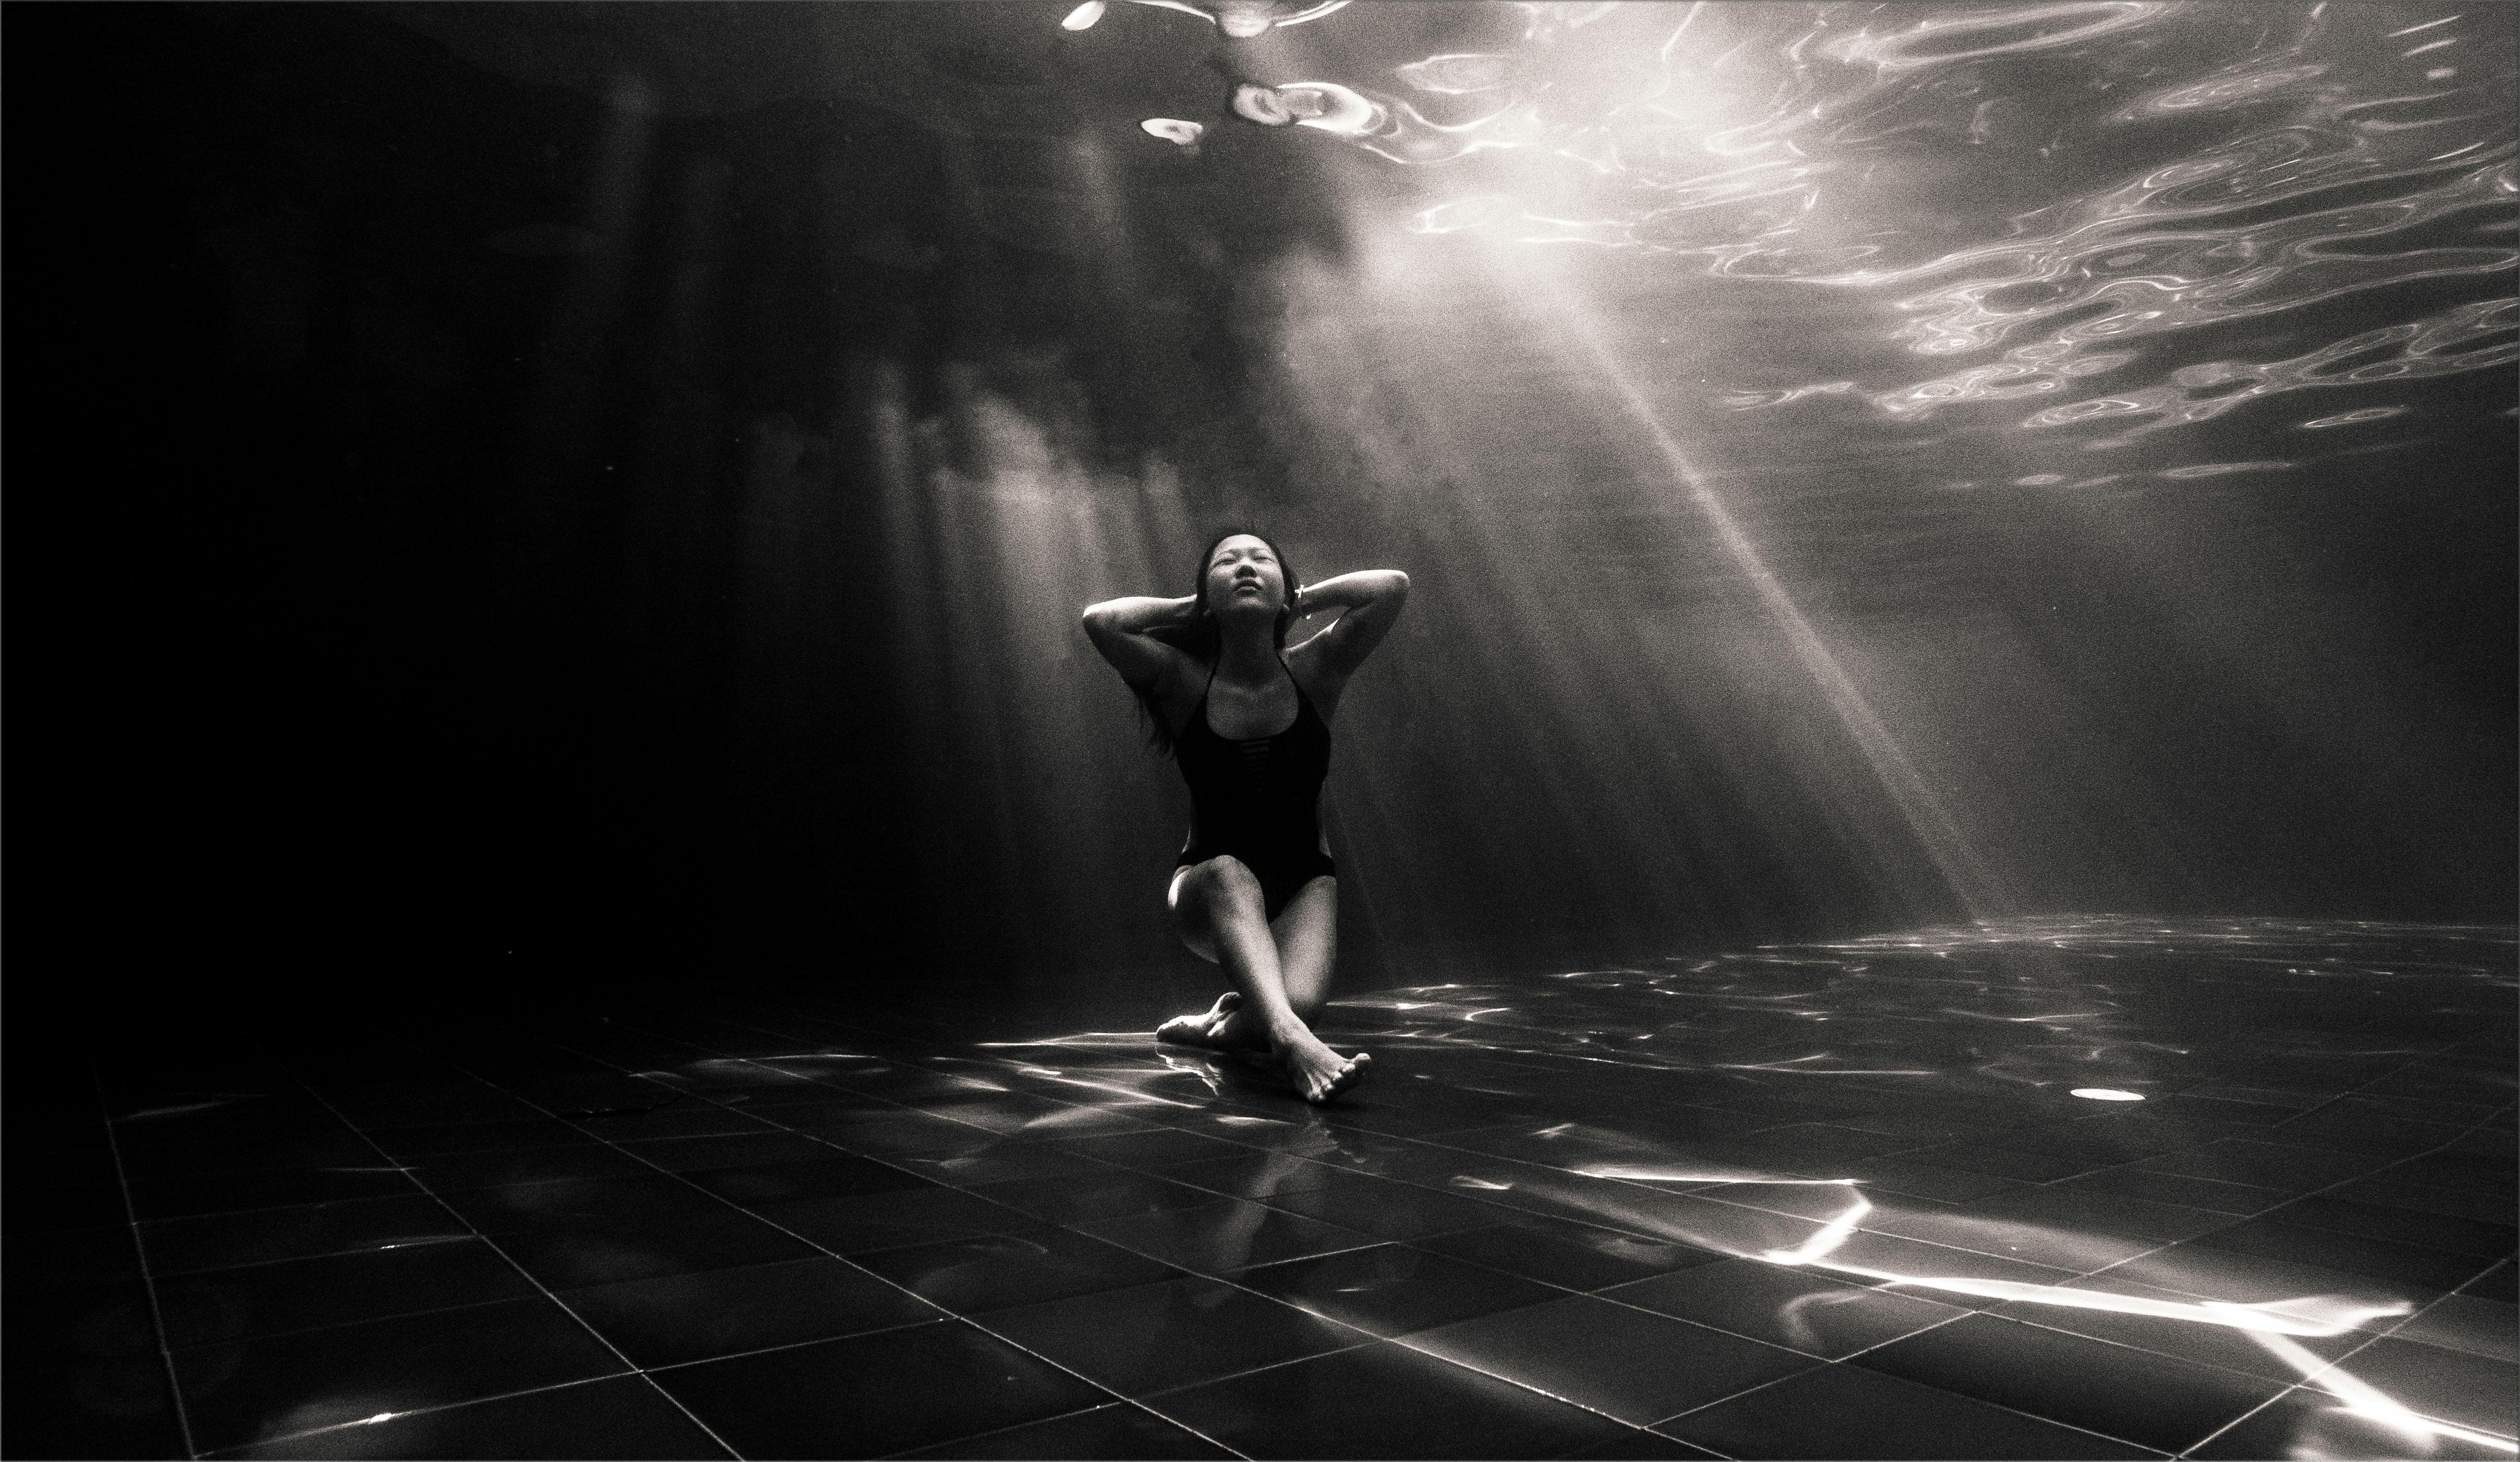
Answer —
(1248, 952)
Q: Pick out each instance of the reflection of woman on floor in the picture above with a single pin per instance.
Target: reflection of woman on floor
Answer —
(1247, 717)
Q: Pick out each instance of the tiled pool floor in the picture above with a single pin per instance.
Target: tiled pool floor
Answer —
(1820, 1202)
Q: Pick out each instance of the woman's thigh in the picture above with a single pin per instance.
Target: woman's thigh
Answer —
(1305, 931)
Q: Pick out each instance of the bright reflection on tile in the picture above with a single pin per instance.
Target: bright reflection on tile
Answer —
(1674, 1100)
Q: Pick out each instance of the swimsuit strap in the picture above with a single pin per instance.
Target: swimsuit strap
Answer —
(1198, 715)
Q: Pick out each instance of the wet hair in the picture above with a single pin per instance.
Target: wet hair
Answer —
(1204, 639)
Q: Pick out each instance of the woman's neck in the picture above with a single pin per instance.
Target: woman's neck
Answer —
(1249, 655)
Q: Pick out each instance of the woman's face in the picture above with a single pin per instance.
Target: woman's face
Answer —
(1243, 573)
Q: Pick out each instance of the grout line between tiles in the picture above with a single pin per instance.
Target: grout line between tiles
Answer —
(540, 1288)
(147, 1284)
(963, 1318)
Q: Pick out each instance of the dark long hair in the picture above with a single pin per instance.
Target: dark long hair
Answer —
(1204, 639)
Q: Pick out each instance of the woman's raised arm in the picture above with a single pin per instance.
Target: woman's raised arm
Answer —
(1118, 628)
(1372, 599)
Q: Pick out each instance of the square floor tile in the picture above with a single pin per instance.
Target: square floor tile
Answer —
(872, 1395)
(863, 1222)
(2484, 1205)
(412, 1144)
(1255, 1176)
(69, 1258)
(2391, 1263)
(1700, 1220)
(1176, 1333)
(1014, 1113)
(2073, 1247)
(1394, 1290)
(671, 1120)
(2308, 1423)
(1641, 1447)
(87, 1406)
(1387, 1210)
(834, 1175)
(2471, 1237)
(2254, 1279)
(2200, 1337)
(81, 1206)
(1115, 1432)
(330, 1146)
(377, 1107)
(783, 1104)
(268, 1188)
(1628, 1363)
(58, 1166)
(2179, 1190)
(2118, 1216)
(2462, 1322)
(306, 1231)
(1785, 1306)
(1001, 1160)
(1150, 1151)
(2021, 1164)
(895, 1130)
(999, 1271)
(1225, 1235)
(2495, 1283)
(2363, 1131)
(562, 1203)
(1839, 1411)
(1866, 1257)
(218, 1305)
(283, 1385)
(1105, 1193)
(1381, 1400)
(1574, 1256)
(85, 1320)
(623, 1417)
(2130, 1395)
(615, 1249)
(2295, 1169)
(463, 1171)
(684, 1318)
(1831, 1144)
(2476, 1392)
(730, 1150)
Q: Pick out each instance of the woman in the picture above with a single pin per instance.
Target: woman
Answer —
(1247, 718)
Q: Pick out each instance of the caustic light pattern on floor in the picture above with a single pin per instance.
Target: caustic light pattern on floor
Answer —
(1811, 1202)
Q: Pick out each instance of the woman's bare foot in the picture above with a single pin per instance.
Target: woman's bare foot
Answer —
(1318, 1071)
(1216, 1027)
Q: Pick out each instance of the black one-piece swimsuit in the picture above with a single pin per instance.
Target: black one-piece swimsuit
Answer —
(1259, 798)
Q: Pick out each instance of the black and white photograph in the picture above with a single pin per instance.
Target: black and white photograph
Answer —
(1276, 729)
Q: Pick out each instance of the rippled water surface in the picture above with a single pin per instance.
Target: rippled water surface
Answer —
(2089, 222)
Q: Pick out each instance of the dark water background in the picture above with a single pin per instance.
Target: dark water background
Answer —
(594, 491)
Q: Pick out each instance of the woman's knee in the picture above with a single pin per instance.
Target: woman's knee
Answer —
(1222, 880)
